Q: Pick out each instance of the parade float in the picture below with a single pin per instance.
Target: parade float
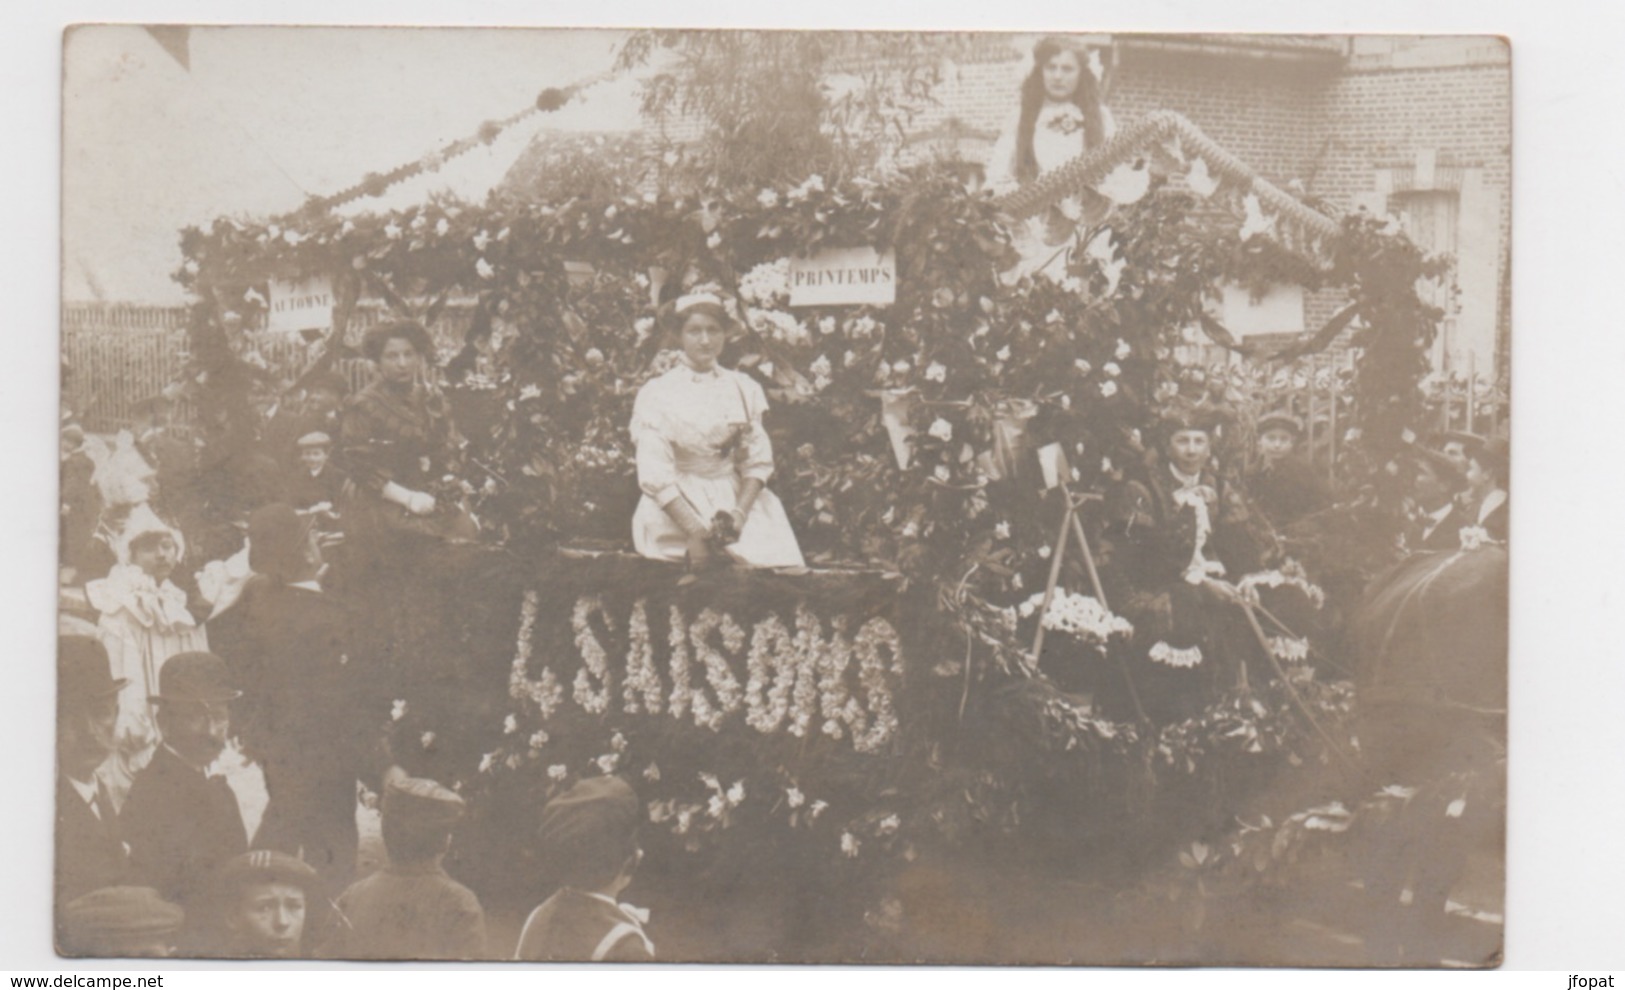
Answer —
(950, 675)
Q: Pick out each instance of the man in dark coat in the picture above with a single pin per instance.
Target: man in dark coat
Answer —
(315, 721)
(90, 851)
(180, 821)
(411, 909)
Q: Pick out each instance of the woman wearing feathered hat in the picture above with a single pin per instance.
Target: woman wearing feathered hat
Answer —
(703, 455)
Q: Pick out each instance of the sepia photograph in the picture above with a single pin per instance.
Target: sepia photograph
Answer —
(783, 496)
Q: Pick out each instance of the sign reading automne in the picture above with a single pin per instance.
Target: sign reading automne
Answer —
(844, 277)
(302, 305)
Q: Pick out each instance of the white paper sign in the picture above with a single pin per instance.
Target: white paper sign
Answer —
(844, 277)
(1279, 310)
(296, 306)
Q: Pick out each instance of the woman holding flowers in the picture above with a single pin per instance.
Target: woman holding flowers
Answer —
(703, 456)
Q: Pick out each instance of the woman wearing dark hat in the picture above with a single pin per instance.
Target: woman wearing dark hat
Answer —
(1176, 539)
(704, 457)
(1284, 486)
(1487, 478)
(399, 442)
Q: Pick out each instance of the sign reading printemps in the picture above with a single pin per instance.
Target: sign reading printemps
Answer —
(790, 672)
(301, 305)
(844, 277)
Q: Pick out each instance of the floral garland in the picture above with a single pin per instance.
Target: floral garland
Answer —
(595, 662)
(1079, 616)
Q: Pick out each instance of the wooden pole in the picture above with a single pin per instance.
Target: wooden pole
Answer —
(1054, 574)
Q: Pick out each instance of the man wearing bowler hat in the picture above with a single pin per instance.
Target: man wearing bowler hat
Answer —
(182, 821)
(90, 850)
(588, 844)
(411, 909)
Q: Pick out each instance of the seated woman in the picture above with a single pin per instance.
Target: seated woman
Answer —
(398, 443)
(1178, 538)
(704, 457)
(1061, 117)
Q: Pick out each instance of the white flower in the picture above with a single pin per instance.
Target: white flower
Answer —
(502, 234)
(793, 797)
(942, 430)
(817, 808)
(848, 359)
(644, 325)
(936, 372)
(1188, 657)
(768, 198)
(397, 711)
(1112, 369)
(1044, 551)
(942, 473)
(716, 806)
(1003, 353)
(901, 367)
(1053, 316)
(850, 845)
(530, 392)
(826, 325)
(510, 725)
(487, 761)
(1108, 388)
(651, 772)
(1002, 530)
(1084, 367)
(714, 241)
(1106, 465)
(1473, 537)
(558, 771)
(441, 227)
(820, 367)
(736, 793)
(617, 742)
(481, 240)
(538, 739)
(484, 268)
(608, 762)
(426, 740)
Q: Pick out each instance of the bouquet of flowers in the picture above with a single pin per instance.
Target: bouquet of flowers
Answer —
(1079, 616)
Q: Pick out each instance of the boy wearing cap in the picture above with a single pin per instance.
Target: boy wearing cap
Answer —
(120, 922)
(315, 481)
(588, 843)
(411, 909)
(181, 821)
(90, 850)
(263, 906)
(1283, 485)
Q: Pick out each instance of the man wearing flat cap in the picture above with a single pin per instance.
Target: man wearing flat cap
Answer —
(410, 909)
(307, 717)
(90, 850)
(120, 922)
(588, 844)
(264, 903)
(182, 821)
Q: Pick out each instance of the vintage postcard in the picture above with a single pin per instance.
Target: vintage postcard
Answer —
(772, 496)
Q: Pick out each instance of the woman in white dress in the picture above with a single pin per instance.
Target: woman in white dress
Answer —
(704, 457)
(1061, 117)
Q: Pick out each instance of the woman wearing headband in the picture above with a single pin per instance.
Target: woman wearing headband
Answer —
(704, 457)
